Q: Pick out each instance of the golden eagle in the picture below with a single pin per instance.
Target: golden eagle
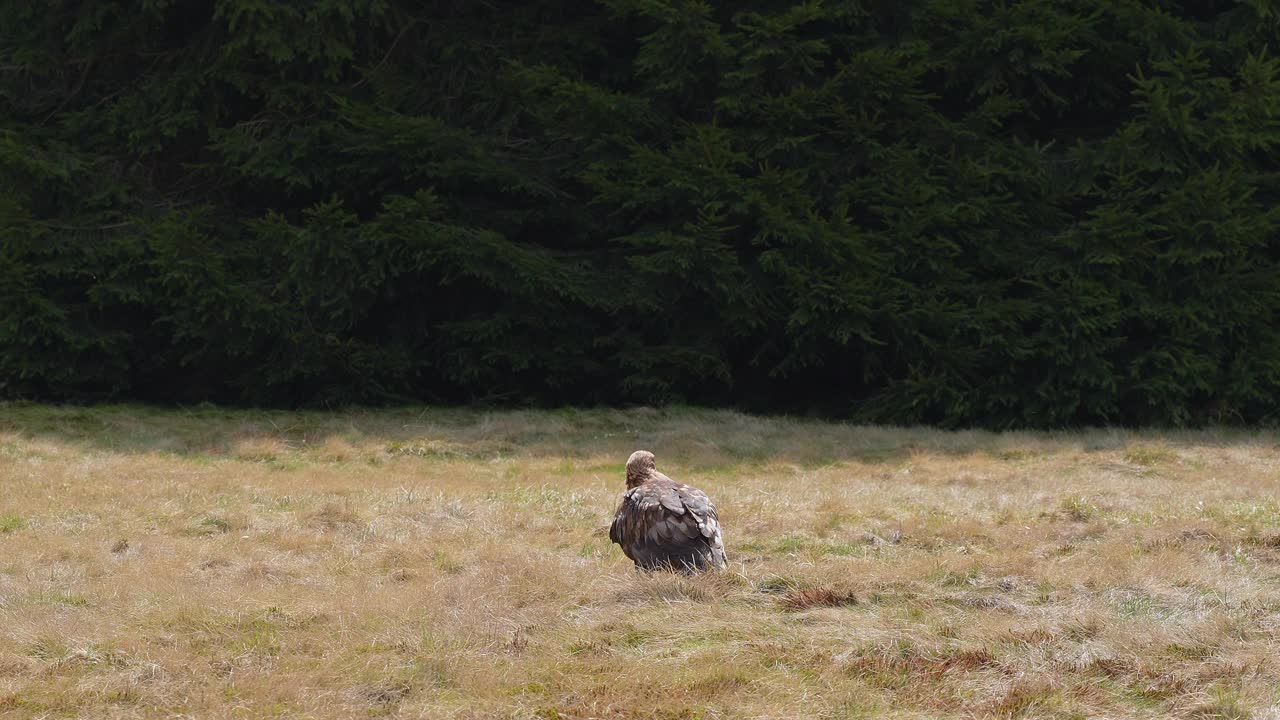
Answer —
(665, 525)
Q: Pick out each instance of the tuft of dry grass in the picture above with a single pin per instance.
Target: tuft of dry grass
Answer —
(804, 599)
(456, 564)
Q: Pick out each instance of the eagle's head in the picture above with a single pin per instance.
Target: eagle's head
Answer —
(639, 465)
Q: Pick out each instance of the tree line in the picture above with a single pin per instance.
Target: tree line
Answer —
(1011, 213)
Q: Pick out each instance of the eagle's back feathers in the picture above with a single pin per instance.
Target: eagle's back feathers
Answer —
(663, 524)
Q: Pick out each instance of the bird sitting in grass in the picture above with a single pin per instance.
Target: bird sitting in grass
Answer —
(665, 525)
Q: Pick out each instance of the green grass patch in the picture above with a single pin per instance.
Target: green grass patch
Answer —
(11, 522)
(58, 598)
(1078, 509)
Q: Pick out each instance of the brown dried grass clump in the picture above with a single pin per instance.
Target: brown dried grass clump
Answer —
(804, 599)
(334, 516)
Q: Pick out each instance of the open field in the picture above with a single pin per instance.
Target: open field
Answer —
(456, 564)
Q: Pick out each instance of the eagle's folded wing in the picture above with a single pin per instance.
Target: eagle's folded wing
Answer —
(666, 524)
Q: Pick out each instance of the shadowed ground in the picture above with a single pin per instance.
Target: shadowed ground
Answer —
(441, 563)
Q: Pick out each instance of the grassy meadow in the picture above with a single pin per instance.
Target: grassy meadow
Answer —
(455, 564)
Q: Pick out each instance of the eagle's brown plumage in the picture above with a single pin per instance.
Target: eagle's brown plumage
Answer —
(663, 524)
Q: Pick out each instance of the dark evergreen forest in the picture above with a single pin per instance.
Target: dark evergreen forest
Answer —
(960, 212)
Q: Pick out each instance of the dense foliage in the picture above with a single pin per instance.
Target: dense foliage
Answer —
(1011, 213)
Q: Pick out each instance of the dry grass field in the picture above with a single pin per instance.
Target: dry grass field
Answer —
(456, 564)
